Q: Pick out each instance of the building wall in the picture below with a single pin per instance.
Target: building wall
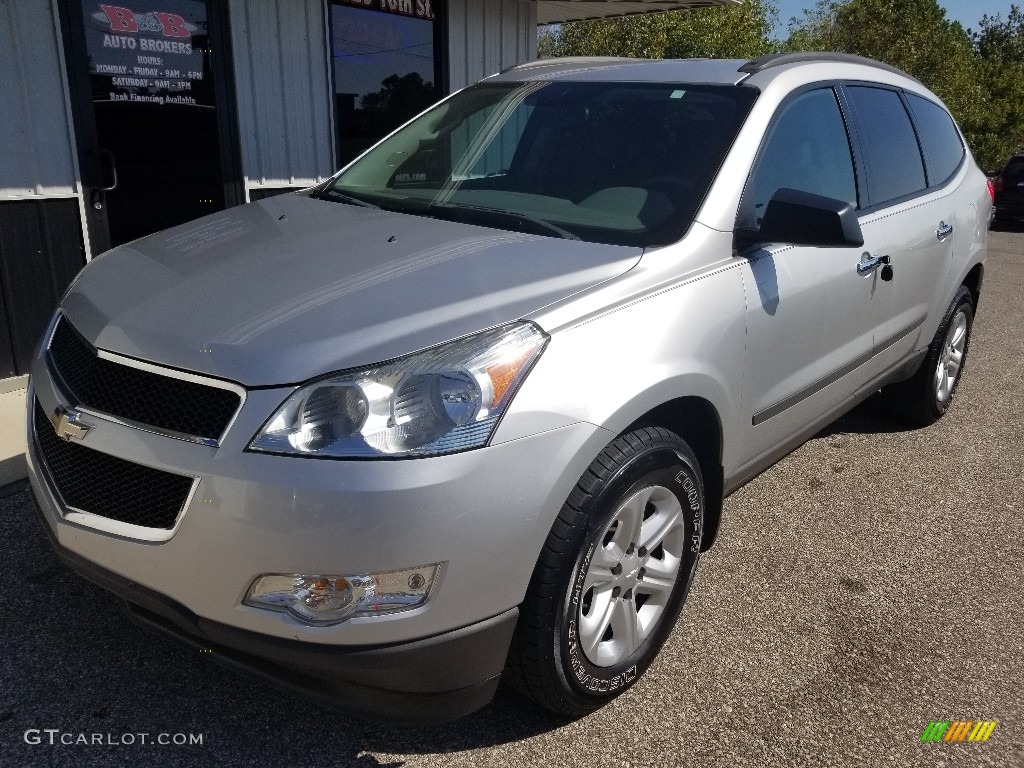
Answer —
(487, 36)
(282, 59)
(36, 160)
(283, 92)
(42, 243)
(40, 254)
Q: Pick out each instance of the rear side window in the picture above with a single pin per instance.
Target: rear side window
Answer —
(807, 149)
(940, 140)
(893, 156)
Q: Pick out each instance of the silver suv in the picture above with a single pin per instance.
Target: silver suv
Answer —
(468, 411)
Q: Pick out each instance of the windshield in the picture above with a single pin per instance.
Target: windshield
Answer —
(621, 163)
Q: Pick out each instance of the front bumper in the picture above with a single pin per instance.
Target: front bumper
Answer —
(483, 514)
(422, 682)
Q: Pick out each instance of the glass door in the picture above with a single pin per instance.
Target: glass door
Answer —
(148, 122)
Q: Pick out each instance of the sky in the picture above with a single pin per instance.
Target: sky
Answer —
(967, 12)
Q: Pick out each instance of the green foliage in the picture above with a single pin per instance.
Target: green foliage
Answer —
(1002, 40)
(913, 35)
(718, 32)
(816, 31)
(998, 130)
(979, 76)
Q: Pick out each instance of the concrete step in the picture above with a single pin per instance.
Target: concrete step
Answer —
(12, 430)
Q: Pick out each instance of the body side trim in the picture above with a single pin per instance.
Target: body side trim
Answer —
(830, 378)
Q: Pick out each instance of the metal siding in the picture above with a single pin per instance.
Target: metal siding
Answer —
(456, 21)
(492, 22)
(510, 32)
(487, 36)
(40, 252)
(529, 23)
(36, 159)
(281, 60)
(476, 21)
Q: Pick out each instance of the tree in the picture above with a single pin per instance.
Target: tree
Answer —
(718, 32)
(979, 75)
(998, 131)
(816, 31)
(1001, 40)
(402, 94)
(915, 36)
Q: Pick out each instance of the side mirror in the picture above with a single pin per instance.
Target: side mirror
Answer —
(803, 218)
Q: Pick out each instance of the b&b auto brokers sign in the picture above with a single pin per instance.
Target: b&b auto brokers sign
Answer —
(144, 55)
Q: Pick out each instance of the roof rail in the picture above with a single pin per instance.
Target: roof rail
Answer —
(762, 63)
(539, 63)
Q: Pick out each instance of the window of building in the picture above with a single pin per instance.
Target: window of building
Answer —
(386, 67)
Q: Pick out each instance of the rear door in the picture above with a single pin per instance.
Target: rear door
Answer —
(912, 151)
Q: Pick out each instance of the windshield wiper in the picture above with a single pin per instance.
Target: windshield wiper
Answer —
(333, 194)
(476, 214)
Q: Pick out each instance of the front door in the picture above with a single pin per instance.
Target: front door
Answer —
(150, 121)
(810, 316)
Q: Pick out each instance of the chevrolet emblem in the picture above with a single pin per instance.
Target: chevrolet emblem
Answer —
(68, 424)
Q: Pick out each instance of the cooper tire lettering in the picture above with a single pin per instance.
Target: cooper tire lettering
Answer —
(560, 657)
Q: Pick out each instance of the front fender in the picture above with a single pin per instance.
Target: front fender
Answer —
(686, 339)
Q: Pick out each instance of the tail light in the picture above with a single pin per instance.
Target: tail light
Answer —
(994, 187)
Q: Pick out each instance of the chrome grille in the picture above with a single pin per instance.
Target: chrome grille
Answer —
(138, 396)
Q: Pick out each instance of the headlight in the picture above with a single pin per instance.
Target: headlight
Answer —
(441, 400)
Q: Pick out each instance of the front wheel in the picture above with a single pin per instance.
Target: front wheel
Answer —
(613, 575)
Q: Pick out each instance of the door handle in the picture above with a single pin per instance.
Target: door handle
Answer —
(944, 230)
(869, 263)
(112, 166)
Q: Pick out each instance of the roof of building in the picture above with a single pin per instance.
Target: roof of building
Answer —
(556, 11)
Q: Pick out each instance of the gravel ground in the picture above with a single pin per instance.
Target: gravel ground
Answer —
(867, 584)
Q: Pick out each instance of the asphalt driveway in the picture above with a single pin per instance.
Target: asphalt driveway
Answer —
(868, 584)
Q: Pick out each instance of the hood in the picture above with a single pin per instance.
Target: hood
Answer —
(280, 291)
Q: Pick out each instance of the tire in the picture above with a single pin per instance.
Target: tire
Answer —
(594, 617)
(926, 397)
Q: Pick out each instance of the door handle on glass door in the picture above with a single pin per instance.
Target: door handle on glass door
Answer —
(112, 175)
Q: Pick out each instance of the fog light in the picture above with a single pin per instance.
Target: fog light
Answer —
(330, 599)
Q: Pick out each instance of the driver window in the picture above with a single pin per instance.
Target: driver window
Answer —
(806, 149)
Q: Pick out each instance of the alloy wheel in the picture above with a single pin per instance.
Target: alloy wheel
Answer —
(631, 575)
